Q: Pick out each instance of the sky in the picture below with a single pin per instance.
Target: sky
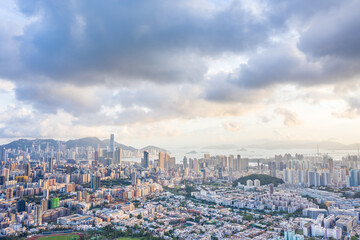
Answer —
(180, 73)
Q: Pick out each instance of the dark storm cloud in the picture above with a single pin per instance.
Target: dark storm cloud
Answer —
(92, 42)
(335, 33)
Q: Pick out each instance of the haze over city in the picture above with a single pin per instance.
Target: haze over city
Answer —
(180, 73)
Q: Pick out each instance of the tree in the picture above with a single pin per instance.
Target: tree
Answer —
(139, 216)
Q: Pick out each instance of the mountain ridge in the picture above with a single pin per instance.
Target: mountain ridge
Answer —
(81, 142)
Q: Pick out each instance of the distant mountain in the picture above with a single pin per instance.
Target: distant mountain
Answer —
(85, 142)
(94, 142)
(222, 147)
(328, 145)
(153, 148)
(192, 152)
(106, 142)
(27, 143)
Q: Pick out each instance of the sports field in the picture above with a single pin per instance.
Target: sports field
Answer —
(129, 238)
(59, 237)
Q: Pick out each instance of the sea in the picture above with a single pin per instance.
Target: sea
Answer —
(251, 153)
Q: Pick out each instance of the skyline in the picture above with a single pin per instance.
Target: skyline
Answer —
(180, 73)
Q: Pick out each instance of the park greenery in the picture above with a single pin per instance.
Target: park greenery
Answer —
(264, 180)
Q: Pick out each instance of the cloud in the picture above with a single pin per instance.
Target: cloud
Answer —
(49, 97)
(232, 126)
(290, 118)
(87, 42)
(129, 63)
(334, 33)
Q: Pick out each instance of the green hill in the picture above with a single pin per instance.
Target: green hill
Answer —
(264, 179)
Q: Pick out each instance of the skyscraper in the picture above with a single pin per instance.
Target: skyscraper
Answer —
(133, 178)
(185, 162)
(112, 146)
(118, 156)
(146, 159)
(27, 170)
(95, 181)
(161, 160)
(167, 158)
(3, 155)
(51, 164)
(38, 215)
(96, 158)
(21, 205)
(58, 155)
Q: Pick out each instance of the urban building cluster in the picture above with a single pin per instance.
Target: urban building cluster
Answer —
(49, 187)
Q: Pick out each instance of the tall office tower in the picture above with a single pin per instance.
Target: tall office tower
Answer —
(3, 156)
(146, 162)
(167, 158)
(133, 178)
(196, 166)
(271, 189)
(207, 155)
(331, 165)
(185, 162)
(191, 163)
(118, 156)
(58, 154)
(58, 157)
(38, 215)
(96, 157)
(51, 164)
(161, 160)
(112, 146)
(27, 170)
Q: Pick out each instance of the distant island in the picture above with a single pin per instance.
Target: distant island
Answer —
(192, 152)
(264, 179)
(221, 147)
(242, 150)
